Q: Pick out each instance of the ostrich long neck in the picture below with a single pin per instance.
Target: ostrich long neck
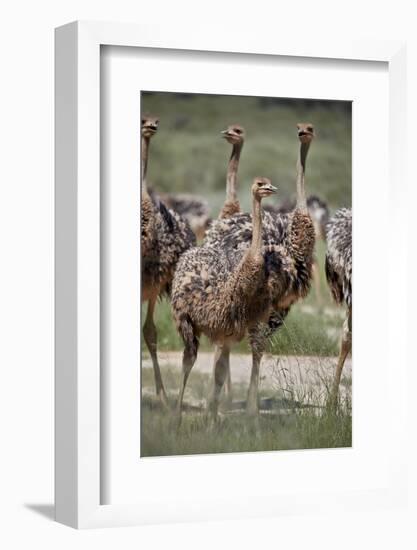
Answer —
(145, 155)
(232, 167)
(301, 166)
(255, 247)
(244, 281)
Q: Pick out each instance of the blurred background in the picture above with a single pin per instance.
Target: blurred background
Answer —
(189, 155)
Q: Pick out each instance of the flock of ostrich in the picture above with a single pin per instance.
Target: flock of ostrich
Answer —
(246, 274)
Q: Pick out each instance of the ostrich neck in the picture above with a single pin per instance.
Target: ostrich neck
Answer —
(232, 167)
(256, 244)
(145, 155)
(244, 282)
(301, 234)
(301, 166)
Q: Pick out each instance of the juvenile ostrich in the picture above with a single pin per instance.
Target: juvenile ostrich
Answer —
(221, 293)
(164, 237)
(235, 135)
(339, 277)
(289, 243)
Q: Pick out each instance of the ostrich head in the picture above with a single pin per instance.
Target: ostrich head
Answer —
(305, 132)
(234, 134)
(262, 187)
(149, 125)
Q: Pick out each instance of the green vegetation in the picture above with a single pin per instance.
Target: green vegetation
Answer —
(299, 420)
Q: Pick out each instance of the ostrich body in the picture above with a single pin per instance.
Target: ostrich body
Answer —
(289, 240)
(164, 237)
(319, 213)
(339, 277)
(221, 293)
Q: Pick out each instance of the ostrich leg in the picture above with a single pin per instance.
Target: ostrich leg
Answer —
(259, 336)
(221, 364)
(228, 382)
(151, 339)
(258, 343)
(345, 348)
(188, 360)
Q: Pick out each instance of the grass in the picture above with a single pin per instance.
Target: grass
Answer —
(288, 424)
(297, 430)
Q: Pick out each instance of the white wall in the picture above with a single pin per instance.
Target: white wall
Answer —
(26, 300)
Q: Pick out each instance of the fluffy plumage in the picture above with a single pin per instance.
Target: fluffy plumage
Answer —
(339, 277)
(164, 239)
(221, 299)
(225, 290)
(288, 241)
(339, 256)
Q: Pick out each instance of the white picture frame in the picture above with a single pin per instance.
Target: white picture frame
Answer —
(78, 408)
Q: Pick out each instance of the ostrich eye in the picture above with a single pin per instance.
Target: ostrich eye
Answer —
(143, 121)
(157, 122)
(238, 131)
(310, 128)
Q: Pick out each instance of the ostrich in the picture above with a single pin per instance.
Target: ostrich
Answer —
(289, 240)
(164, 237)
(339, 277)
(235, 135)
(221, 293)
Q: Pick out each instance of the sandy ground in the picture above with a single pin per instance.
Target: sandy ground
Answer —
(298, 377)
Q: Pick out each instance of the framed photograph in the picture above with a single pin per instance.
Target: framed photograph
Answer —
(216, 197)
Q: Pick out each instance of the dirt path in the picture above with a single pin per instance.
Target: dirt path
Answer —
(299, 376)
